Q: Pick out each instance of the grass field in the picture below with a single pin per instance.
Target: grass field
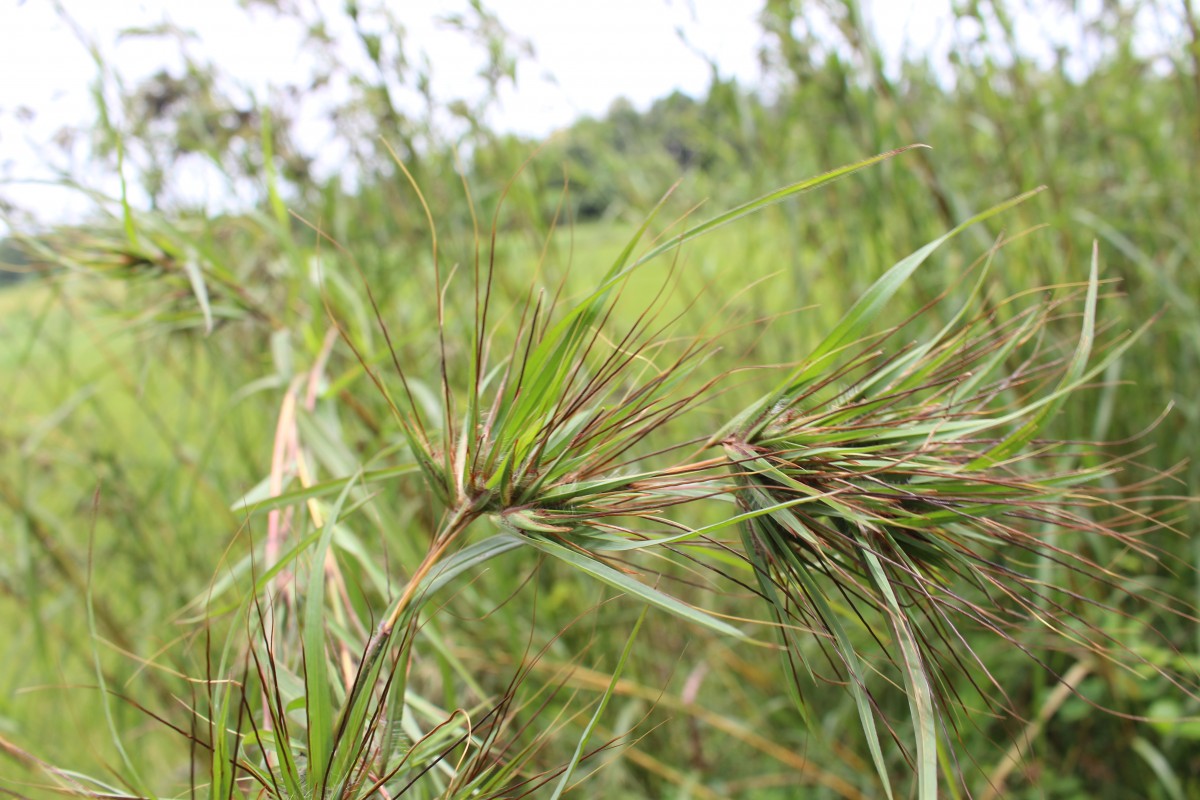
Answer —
(177, 426)
(777, 511)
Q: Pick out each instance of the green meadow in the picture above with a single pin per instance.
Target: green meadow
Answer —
(836, 442)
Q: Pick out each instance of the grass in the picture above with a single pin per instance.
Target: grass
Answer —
(158, 463)
(869, 512)
(372, 498)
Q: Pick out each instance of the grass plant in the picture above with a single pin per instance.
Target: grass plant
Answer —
(871, 510)
(427, 480)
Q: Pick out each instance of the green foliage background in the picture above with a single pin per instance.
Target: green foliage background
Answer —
(145, 368)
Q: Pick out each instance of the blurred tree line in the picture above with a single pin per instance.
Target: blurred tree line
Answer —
(1103, 109)
(1002, 100)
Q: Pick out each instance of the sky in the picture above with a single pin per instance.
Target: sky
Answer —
(585, 55)
(594, 51)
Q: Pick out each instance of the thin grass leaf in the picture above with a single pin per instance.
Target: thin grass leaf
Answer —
(318, 706)
(135, 777)
(766, 201)
(467, 560)
(857, 679)
(581, 745)
(618, 580)
(1071, 377)
(1168, 777)
(853, 324)
(916, 680)
(195, 276)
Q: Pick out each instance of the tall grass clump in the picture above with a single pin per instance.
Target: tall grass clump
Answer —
(884, 512)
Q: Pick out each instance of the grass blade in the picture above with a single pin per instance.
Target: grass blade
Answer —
(622, 582)
(581, 745)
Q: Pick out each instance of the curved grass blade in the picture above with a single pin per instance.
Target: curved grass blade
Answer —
(853, 325)
(191, 268)
(1071, 377)
(916, 680)
(602, 572)
(767, 200)
(248, 505)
